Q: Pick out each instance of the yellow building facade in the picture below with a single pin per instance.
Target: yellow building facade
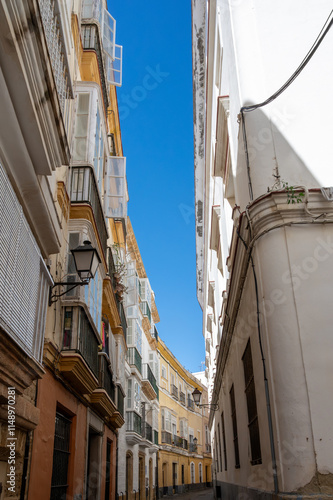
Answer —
(184, 461)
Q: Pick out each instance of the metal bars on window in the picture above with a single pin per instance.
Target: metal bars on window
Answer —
(234, 426)
(60, 457)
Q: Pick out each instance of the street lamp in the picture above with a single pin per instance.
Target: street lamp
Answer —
(86, 260)
(197, 396)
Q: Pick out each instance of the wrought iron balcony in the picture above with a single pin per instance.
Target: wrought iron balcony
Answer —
(105, 377)
(147, 431)
(166, 437)
(120, 401)
(83, 340)
(133, 422)
(174, 391)
(177, 441)
(190, 404)
(84, 190)
(182, 398)
(147, 376)
(134, 358)
(57, 51)
(192, 448)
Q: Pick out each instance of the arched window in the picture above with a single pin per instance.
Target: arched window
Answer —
(200, 472)
(192, 473)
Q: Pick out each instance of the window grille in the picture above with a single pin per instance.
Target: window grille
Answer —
(220, 449)
(234, 426)
(251, 406)
(224, 442)
(60, 457)
(108, 470)
(24, 278)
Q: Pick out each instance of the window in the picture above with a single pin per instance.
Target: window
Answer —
(108, 470)
(164, 372)
(129, 393)
(216, 456)
(60, 457)
(200, 472)
(99, 153)
(220, 450)
(81, 127)
(192, 473)
(224, 443)
(166, 420)
(234, 425)
(251, 406)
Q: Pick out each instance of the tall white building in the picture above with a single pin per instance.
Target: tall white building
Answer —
(262, 132)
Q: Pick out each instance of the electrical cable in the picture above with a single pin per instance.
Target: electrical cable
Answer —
(309, 55)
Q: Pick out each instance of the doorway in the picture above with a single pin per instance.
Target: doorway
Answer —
(174, 478)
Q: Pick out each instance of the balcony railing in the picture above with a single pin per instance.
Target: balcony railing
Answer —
(134, 358)
(192, 448)
(84, 341)
(84, 190)
(120, 402)
(208, 448)
(133, 422)
(105, 377)
(91, 41)
(145, 310)
(166, 437)
(123, 321)
(174, 391)
(156, 437)
(147, 431)
(179, 442)
(182, 398)
(147, 374)
(190, 403)
(57, 52)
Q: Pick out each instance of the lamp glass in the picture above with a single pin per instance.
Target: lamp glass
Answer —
(196, 396)
(86, 260)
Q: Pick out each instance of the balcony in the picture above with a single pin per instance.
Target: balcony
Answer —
(105, 376)
(115, 199)
(166, 437)
(193, 448)
(190, 404)
(179, 442)
(103, 398)
(57, 52)
(182, 398)
(174, 391)
(147, 431)
(149, 385)
(84, 190)
(156, 437)
(133, 428)
(208, 448)
(134, 358)
(122, 316)
(145, 309)
(79, 357)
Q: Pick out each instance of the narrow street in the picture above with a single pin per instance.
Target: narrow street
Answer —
(206, 494)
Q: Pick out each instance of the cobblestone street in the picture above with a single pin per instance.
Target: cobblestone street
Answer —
(206, 494)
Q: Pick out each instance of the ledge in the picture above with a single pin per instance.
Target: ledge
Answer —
(74, 369)
(148, 389)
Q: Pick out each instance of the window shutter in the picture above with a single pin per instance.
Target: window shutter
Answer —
(24, 278)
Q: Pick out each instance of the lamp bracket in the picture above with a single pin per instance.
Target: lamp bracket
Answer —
(212, 406)
(55, 296)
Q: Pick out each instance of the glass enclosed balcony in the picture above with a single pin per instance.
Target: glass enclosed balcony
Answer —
(133, 422)
(145, 310)
(147, 376)
(115, 199)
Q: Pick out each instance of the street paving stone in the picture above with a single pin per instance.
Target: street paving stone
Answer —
(207, 494)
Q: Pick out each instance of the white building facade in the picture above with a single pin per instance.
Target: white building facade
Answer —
(262, 106)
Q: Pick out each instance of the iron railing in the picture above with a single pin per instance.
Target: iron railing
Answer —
(85, 190)
(147, 374)
(192, 447)
(134, 358)
(148, 432)
(57, 52)
(91, 41)
(105, 377)
(88, 343)
(182, 398)
(166, 437)
(123, 321)
(190, 403)
(120, 401)
(174, 391)
(133, 422)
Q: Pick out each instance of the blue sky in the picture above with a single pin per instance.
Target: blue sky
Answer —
(155, 105)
